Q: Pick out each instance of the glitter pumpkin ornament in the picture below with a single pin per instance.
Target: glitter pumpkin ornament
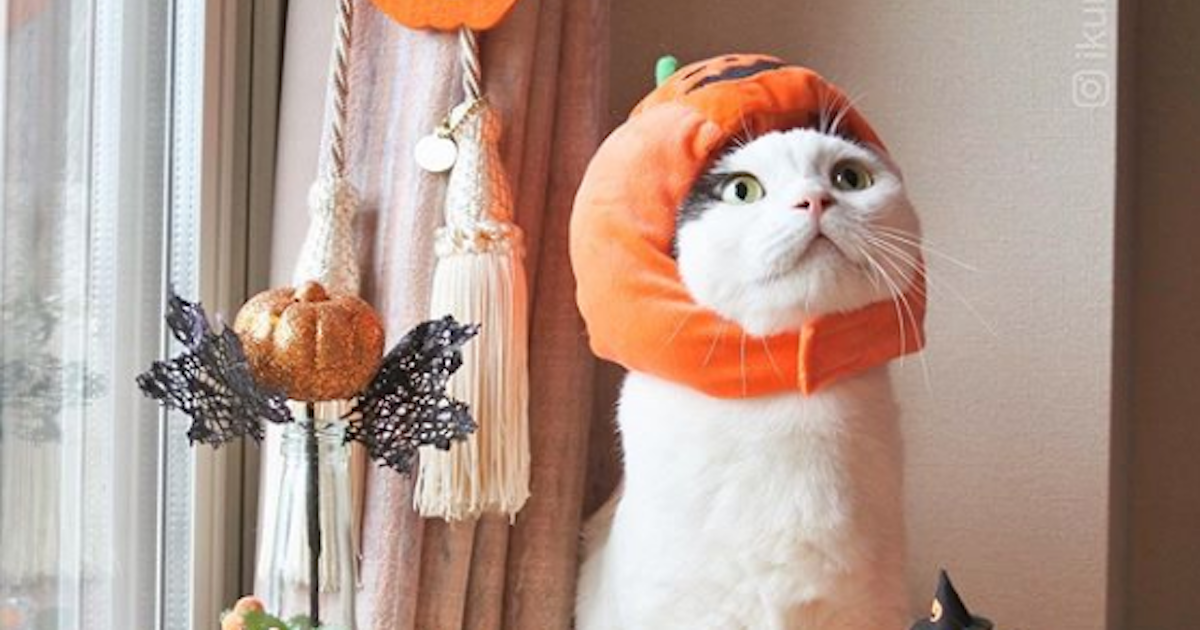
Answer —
(309, 344)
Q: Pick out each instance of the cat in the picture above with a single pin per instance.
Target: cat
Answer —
(782, 512)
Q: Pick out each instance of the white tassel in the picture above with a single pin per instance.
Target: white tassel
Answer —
(480, 278)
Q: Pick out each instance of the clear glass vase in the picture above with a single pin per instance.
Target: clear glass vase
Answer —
(292, 564)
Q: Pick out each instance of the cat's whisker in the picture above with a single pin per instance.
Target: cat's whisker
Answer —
(912, 317)
(840, 117)
(844, 106)
(675, 333)
(742, 364)
(716, 340)
(906, 238)
(898, 299)
(893, 292)
(903, 239)
(900, 231)
(892, 250)
(748, 135)
(744, 138)
(901, 304)
(866, 267)
(771, 358)
(874, 279)
(911, 261)
(917, 241)
(941, 284)
(823, 111)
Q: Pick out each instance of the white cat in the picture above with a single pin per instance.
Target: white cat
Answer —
(781, 512)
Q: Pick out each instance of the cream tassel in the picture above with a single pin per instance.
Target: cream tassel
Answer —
(480, 278)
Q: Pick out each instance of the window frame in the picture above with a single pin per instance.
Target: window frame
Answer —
(226, 62)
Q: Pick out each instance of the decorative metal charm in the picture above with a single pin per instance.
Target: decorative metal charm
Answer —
(436, 153)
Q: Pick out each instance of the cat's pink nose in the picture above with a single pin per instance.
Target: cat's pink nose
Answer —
(815, 204)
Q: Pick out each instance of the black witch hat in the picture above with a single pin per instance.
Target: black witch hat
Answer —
(949, 612)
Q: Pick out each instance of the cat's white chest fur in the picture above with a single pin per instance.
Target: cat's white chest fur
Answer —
(781, 512)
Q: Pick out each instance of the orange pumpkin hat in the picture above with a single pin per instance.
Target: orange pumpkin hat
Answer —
(447, 15)
(637, 310)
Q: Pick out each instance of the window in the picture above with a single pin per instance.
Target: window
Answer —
(118, 167)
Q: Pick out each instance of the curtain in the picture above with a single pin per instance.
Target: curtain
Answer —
(545, 69)
(84, 115)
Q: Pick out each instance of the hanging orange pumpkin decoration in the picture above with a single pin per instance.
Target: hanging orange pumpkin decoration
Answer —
(309, 343)
(478, 15)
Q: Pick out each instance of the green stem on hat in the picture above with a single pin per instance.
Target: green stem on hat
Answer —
(666, 66)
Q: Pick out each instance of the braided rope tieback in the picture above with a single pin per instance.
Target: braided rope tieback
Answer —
(341, 87)
(329, 254)
(469, 60)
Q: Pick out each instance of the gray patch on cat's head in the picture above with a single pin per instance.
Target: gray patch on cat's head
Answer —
(705, 193)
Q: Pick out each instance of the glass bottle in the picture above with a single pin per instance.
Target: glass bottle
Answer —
(291, 560)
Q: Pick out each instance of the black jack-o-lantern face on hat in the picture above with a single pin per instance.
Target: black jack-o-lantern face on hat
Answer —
(948, 611)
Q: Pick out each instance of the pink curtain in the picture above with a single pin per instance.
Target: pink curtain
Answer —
(545, 69)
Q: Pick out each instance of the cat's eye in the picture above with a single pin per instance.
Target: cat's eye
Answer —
(742, 188)
(850, 176)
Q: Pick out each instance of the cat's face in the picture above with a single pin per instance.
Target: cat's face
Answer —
(796, 224)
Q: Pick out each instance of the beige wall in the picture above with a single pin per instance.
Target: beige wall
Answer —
(301, 120)
(1009, 445)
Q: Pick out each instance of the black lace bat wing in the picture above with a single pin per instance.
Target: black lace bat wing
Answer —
(187, 321)
(211, 381)
(406, 406)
